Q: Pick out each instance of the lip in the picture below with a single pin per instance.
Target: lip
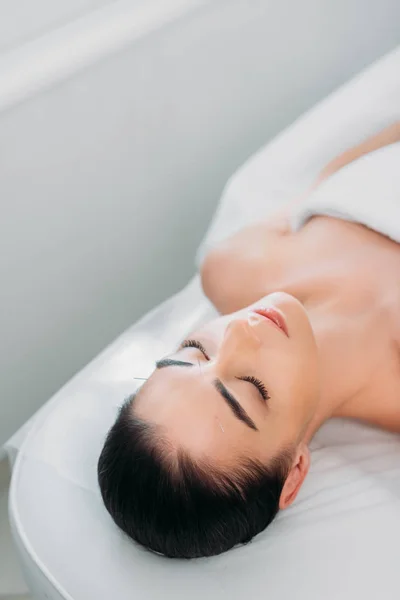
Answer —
(273, 315)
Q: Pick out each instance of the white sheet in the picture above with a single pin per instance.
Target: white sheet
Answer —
(340, 538)
(366, 191)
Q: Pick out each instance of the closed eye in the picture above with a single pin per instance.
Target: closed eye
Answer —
(258, 384)
(194, 344)
(253, 380)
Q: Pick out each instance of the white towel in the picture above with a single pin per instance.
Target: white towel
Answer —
(366, 191)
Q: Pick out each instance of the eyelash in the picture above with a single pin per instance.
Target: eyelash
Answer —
(259, 385)
(195, 344)
(256, 382)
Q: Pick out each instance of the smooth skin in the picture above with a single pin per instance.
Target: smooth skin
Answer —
(337, 284)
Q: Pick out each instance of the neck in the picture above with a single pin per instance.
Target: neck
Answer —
(337, 382)
(316, 422)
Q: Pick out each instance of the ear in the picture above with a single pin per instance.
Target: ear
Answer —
(296, 476)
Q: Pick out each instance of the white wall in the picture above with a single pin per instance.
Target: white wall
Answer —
(23, 20)
(108, 179)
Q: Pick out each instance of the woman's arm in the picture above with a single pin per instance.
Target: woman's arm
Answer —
(233, 273)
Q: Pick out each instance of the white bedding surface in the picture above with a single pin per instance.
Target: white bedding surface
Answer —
(340, 538)
(366, 191)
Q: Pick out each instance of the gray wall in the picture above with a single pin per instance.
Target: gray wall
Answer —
(23, 20)
(109, 179)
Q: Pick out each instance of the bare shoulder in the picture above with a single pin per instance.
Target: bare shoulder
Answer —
(242, 268)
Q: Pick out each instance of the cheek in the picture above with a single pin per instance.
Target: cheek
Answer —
(305, 377)
(292, 377)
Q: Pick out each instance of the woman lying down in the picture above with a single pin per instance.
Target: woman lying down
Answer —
(215, 442)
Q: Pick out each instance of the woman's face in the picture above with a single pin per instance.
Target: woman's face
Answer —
(243, 385)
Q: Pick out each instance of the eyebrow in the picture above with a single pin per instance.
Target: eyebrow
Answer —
(233, 404)
(170, 362)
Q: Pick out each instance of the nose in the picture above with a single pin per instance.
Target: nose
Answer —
(237, 348)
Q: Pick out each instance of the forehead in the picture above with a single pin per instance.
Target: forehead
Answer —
(193, 416)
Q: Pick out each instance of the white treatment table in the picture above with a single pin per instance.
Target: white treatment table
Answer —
(339, 540)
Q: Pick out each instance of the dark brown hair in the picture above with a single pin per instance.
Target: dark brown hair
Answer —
(177, 506)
